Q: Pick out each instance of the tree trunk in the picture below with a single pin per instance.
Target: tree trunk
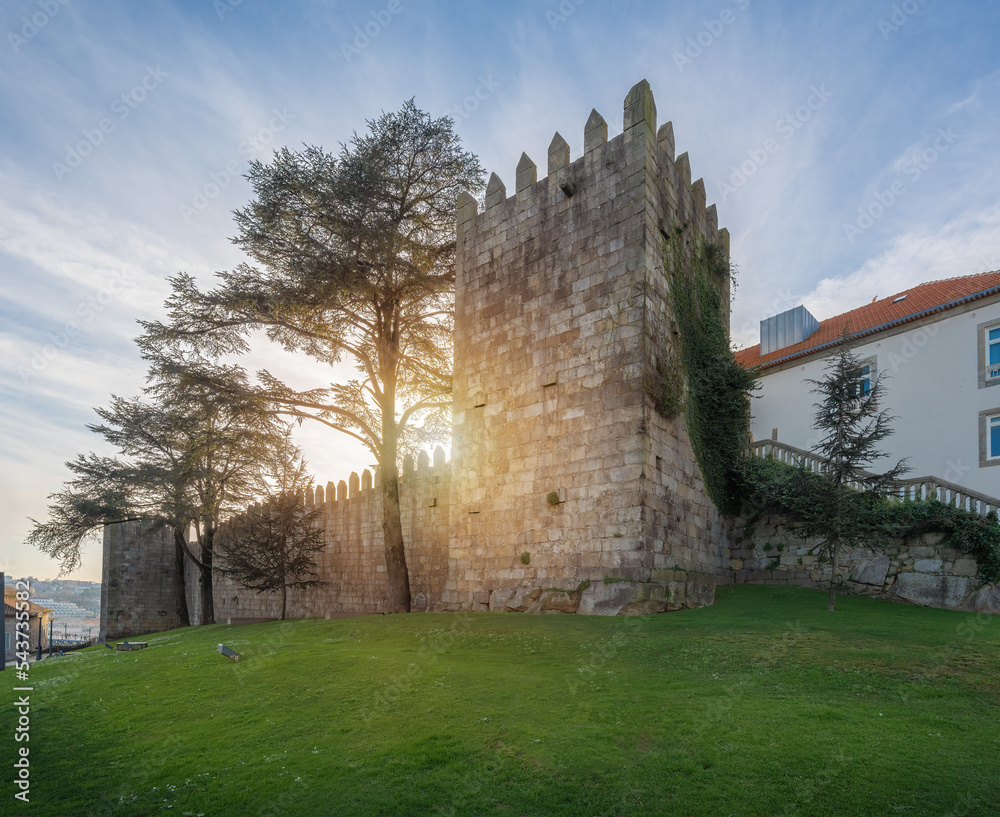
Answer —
(397, 576)
(284, 600)
(183, 614)
(833, 578)
(207, 590)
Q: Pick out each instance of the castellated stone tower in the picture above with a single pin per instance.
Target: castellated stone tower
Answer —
(562, 470)
(563, 474)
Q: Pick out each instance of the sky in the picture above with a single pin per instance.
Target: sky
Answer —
(851, 148)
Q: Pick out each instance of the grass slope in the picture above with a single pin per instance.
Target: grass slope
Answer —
(763, 704)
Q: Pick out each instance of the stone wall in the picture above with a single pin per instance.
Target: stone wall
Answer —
(561, 313)
(566, 487)
(140, 585)
(353, 563)
(917, 571)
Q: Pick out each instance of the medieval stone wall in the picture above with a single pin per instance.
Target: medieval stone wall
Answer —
(561, 312)
(919, 570)
(353, 563)
(565, 482)
(140, 585)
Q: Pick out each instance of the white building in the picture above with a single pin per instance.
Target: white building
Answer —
(939, 344)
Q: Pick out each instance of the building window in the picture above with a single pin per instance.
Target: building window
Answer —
(989, 437)
(865, 377)
(989, 353)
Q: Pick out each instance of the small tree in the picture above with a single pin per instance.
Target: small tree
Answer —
(273, 546)
(187, 458)
(851, 427)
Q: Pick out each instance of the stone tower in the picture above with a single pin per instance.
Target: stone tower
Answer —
(141, 582)
(562, 469)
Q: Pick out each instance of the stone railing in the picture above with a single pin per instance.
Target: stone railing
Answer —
(916, 488)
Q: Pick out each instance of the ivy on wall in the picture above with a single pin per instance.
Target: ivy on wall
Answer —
(717, 401)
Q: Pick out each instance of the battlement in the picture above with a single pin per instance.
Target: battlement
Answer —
(366, 487)
(356, 485)
(563, 471)
(562, 317)
(640, 142)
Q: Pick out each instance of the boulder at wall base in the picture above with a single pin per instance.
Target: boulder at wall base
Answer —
(644, 598)
(614, 599)
(689, 595)
(556, 601)
(649, 599)
(871, 571)
(606, 599)
(932, 591)
(499, 598)
(985, 600)
(514, 599)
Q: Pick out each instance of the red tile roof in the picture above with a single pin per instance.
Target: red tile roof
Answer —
(10, 599)
(878, 316)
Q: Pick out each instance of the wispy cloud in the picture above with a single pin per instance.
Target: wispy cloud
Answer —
(116, 221)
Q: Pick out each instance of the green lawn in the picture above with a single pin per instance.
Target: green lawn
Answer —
(763, 704)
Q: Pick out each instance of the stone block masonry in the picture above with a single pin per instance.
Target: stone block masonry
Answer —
(140, 585)
(562, 313)
(353, 563)
(917, 571)
(567, 490)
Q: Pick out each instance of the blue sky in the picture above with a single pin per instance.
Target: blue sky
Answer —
(852, 149)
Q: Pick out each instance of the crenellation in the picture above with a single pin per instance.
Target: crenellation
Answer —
(699, 196)
(665, 140)
(496, 192)
(526, 174)
(559, 155)
(595, 132)
(561, 310)
(712, 223)
(640, 108)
